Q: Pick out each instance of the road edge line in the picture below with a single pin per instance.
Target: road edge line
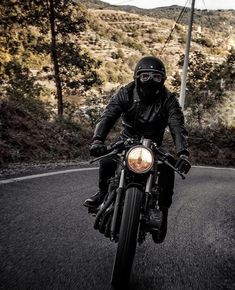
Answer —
(16, 179)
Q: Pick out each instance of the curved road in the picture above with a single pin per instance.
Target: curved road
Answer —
(47, 240)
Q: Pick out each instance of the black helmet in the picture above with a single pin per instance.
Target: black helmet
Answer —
(150, 63)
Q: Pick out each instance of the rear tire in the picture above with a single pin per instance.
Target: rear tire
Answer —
(127, 237)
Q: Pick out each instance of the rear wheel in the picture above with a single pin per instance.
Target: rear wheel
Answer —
(127, 237)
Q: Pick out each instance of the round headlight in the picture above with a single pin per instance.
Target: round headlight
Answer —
(139, 159)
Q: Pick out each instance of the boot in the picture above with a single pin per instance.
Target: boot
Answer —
(159, 235)
(95, 200)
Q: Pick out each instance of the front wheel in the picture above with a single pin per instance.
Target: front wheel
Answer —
(127, 237)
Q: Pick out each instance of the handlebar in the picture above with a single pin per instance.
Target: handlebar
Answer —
(174, 168)
(114, 152)
(121, 145)
(164, 156)
(111, 150)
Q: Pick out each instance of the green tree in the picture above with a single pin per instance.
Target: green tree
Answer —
(20, 87)
(74, 69)
(204, 83)
(227, 71)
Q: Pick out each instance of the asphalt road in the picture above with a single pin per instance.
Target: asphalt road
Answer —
(47, 240)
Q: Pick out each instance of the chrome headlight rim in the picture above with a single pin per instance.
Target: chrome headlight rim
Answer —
(151, 164)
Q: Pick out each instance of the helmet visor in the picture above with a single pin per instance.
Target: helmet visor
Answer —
(146, 76)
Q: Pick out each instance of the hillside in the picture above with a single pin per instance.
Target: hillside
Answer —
(127, 32)
(119, 39)
(122, 37)
(220, 19)
(26, 138)
(112, 40)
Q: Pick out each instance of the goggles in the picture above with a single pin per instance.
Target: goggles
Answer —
(146, 76)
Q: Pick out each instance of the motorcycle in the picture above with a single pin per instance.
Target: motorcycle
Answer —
(130, 209)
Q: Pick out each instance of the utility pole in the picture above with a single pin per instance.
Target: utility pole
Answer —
(186, 58)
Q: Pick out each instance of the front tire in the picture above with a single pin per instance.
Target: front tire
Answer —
(127, 237)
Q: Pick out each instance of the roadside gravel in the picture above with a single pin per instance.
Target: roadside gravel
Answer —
(19, 169)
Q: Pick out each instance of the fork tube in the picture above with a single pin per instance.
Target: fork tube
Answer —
(117, 204)
(121, 181)
(149, 182)
(148, 188)
(146, 143)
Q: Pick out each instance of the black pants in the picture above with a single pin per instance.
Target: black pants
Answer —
(166, 179)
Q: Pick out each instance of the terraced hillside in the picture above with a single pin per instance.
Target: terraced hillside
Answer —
(119, 38)
(220, 19)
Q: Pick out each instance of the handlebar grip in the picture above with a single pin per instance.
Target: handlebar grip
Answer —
(118, 145)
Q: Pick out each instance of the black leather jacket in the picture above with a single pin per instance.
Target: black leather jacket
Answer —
(139, 119)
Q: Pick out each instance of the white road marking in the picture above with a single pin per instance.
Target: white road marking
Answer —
(217, 168)
(10, 180)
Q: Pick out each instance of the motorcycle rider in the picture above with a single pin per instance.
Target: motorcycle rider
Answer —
(147, 107)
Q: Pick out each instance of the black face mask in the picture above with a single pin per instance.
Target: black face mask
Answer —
(149, 91)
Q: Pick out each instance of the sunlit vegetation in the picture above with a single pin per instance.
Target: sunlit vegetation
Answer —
(97, 51)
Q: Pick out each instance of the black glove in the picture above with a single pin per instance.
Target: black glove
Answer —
(97, 148)
(183, 165)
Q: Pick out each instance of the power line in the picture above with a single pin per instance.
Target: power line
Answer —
(182, 12)
(208, 16)
(177, 21)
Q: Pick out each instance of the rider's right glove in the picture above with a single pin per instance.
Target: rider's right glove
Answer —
(97, 148)
(183, 165)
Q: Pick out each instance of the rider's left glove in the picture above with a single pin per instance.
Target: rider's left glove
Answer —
(183, 165)
(97, 148)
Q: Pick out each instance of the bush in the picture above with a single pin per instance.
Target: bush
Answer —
(118, 54)
(210, 146)
(27, 138)
(132, 61)
(133, 44)
(204, 41)
(19, 86)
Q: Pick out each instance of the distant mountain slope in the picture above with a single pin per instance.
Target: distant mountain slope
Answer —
(121, 37)
(220, 19)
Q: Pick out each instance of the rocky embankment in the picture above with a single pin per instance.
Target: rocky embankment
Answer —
(29, 144)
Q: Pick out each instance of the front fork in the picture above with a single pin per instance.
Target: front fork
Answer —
(150, 204)
(117, 205)
(144, 219)
(149, 193)
(151, 188)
